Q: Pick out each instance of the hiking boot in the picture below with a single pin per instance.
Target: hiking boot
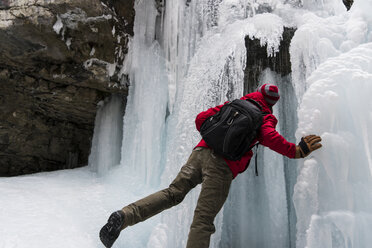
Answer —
(110, 232)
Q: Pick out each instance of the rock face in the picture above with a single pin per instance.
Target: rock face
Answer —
(257, 59)
(58, 59)
(348, 3)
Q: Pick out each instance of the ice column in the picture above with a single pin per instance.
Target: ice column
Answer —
(144, 121)
(287, 116)
(106, 144)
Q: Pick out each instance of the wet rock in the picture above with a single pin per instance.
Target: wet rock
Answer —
(348, 3)
(257, 60)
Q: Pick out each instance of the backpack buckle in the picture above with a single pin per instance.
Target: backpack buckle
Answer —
(231, 120)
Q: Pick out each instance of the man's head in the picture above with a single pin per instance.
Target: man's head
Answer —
(270, 93)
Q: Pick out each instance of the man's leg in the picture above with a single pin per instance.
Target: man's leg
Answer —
(189, 176)
(217, 179)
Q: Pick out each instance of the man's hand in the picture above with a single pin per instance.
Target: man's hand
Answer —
(307, 145)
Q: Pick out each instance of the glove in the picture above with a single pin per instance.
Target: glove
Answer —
(307, 145)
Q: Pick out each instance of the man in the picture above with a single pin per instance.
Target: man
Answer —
(214, 172)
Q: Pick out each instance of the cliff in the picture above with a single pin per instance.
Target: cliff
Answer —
(58, 60)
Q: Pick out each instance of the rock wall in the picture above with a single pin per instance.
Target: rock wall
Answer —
(58, 59)
(257, 60)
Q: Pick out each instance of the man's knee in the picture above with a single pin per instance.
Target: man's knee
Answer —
(176, 194)
(204, 218)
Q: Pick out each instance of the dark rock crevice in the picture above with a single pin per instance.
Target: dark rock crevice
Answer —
(258, 60)
(348, 3)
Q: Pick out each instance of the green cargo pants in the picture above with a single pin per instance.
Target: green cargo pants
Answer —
(204, 167)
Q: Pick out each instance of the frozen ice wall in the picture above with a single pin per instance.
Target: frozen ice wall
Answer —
(189, 56)
(333, 77)
(106, 143)
(144, 122)
(333, 196)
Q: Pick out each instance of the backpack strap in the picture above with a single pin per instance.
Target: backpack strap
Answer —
(255, 103)
(256, 145)
(255, 159)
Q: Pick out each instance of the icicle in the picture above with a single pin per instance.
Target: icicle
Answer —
(105, 152)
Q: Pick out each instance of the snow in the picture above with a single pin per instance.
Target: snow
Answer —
(68, 43)
(31, 13)
(92, 52)
(58, 25)
(110, 67)
(196, 62)
(26, 3)
(62, 209)
(41, 210)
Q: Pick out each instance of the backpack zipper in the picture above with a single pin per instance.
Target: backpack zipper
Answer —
(229, 122)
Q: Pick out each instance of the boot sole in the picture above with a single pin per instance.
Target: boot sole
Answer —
(110, 232)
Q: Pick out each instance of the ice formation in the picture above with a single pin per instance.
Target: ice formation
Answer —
(333, 190)
(332, 195)
(106, 144)
(190, 57)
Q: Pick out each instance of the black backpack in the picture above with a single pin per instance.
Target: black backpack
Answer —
(231, 131)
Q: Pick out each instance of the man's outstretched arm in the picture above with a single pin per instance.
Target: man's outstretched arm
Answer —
(271, 138)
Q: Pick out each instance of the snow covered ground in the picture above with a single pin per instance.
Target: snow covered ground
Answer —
(51, 209)
(65, 209)
(197, 61)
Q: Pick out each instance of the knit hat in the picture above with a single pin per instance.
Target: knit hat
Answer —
(270, 93)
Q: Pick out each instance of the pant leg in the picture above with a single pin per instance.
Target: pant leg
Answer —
(216, 183)
(189, 176)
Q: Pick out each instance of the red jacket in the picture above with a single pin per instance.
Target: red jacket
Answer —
(267, 136)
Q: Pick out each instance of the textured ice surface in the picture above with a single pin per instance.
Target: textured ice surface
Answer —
(108, 132)
(320, 38)
(331, 61)
(333, 191)
(144, 121)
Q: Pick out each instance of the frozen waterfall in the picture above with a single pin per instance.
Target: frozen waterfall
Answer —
(185, 57)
